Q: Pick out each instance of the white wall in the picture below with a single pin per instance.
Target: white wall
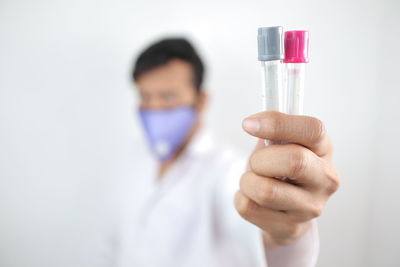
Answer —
(66, 109)
(384, 216)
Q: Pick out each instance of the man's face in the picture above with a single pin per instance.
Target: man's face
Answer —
(168, 86)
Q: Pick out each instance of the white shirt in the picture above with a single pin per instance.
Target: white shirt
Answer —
(188, 217)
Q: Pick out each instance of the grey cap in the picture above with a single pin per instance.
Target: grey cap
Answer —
(270, 43)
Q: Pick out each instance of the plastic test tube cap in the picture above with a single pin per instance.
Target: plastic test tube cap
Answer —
(270, 43)
(296, 47)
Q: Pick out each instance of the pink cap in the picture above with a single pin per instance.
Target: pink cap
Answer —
(296, 47)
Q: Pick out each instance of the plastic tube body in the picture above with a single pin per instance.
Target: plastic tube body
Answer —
(272, 88)
(295, 73)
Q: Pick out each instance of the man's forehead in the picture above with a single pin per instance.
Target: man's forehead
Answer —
(175, 72)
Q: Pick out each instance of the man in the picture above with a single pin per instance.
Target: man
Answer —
(183, 214)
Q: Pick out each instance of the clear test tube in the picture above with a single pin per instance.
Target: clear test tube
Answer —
(270, 54)
(272, 86)
(296, 57)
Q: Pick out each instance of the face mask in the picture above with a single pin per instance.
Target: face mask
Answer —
(166, 130)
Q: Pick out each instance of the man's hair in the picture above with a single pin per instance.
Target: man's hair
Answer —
(165, 50)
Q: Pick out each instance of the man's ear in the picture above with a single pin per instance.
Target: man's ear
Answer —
(202, 101)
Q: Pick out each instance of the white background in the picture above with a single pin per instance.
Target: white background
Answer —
(67, 105)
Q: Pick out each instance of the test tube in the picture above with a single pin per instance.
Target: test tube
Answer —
(270, 54)
(296, 57)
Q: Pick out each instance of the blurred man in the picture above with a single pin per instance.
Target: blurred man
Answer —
(182, 208)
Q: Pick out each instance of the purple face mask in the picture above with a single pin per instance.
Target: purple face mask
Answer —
(167, 129)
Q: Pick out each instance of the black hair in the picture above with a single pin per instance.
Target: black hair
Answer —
(163, 51)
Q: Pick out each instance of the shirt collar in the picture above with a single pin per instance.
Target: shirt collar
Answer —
(201, 142)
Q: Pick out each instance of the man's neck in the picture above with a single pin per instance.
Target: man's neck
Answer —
(166, 165)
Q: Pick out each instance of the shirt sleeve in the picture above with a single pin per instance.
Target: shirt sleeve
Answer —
(302, 253)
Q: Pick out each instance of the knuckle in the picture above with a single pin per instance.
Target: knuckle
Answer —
(257, 160)
(267, 193)
(244, 178)
(244, 207)
(308, 212)
(334, 182)
(253, 161)
(318, 131)
(315, 211)
(293, 230)
(298, 163)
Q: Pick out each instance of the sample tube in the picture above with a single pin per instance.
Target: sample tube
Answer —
(270, 54)
(296, 55)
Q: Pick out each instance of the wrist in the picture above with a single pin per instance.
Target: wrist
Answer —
(273, 240)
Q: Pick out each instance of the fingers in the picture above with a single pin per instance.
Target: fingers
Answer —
(274, 194)
(303, 130)
(293, 161)
(250, 211)
(278, 224)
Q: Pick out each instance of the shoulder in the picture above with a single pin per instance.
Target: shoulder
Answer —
(221, 163)
(216, 153)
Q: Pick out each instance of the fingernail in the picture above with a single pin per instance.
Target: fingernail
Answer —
(251, 125)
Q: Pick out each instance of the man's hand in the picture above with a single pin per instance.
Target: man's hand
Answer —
(286, 185)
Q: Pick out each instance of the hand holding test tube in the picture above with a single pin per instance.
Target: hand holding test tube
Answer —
(288, 183)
